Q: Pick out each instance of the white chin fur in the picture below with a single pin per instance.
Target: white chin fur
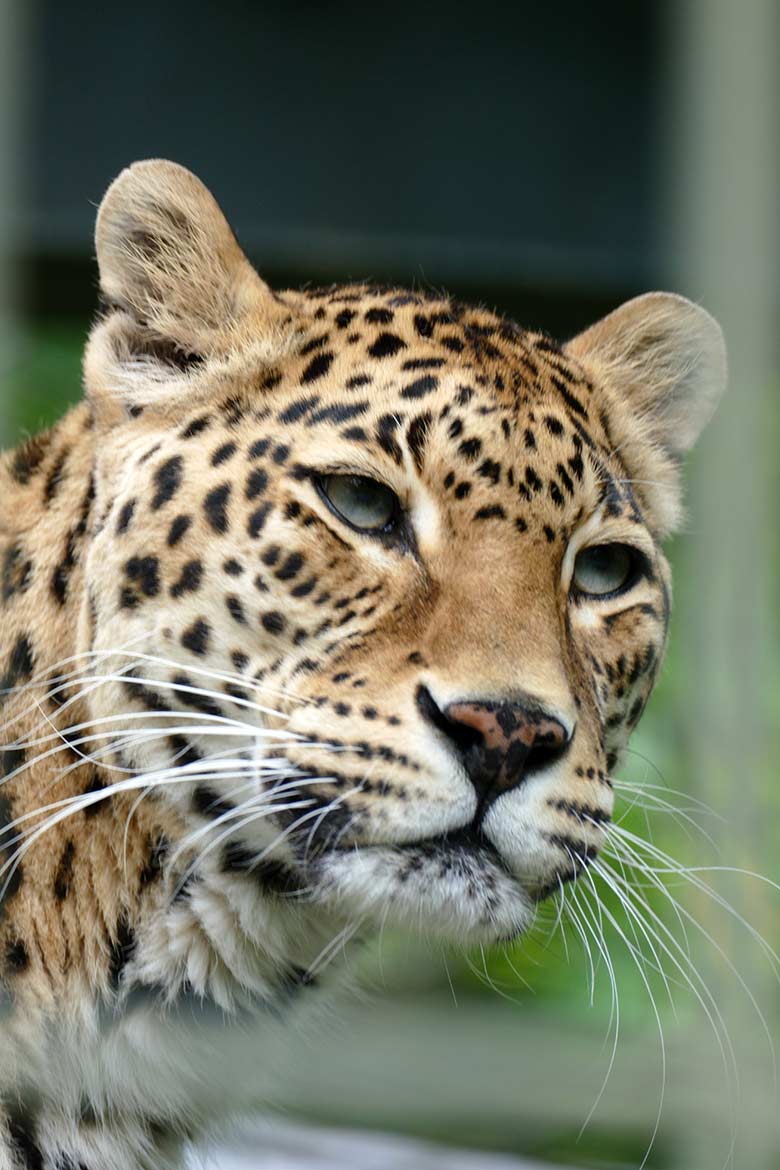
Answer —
(458, 896)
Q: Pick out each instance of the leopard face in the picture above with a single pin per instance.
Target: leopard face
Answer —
(379, 577)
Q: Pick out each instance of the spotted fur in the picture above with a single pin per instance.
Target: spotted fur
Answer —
(226, 747)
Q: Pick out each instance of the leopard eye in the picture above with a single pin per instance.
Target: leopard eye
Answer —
(364, 503)
(604, 569)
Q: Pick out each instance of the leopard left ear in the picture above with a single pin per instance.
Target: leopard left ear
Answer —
(660, 362)
(179, 294)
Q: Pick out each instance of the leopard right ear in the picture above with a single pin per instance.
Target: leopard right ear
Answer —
(660, 361)
(178, 290)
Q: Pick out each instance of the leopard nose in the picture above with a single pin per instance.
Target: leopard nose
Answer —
(501, 743)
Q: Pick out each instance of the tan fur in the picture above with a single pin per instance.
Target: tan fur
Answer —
(176, 582)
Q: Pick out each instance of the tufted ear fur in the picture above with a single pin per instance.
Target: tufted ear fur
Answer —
(660, 361)
(178, 288)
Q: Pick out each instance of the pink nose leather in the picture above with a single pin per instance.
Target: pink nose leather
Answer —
(510, 733)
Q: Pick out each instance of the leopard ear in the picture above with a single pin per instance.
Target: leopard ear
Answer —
(168, 258)
(660, 362)
(184, 307)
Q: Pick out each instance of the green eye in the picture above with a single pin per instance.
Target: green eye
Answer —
(604, 569)
(365, 504)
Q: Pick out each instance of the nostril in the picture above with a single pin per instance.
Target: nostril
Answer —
(460, 733)
(546, 749)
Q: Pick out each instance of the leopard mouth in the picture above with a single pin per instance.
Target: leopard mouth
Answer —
(466, 841)
(454, 885)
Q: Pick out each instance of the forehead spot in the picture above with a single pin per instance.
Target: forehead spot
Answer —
(317, 368)
(386, 345)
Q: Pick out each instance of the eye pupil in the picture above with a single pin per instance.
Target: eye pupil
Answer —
(363, 503)
(604, 569)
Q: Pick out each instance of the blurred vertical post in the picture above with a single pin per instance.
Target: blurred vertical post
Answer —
(724, 204)
(15, 18)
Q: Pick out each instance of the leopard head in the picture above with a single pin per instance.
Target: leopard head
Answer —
(377, 583)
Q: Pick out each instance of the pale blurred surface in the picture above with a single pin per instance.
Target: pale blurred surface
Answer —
(277, 1147)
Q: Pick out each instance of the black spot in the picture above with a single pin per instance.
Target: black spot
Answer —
(379, 316)
(462, 490)
(256, 522)
(338, 413)
(11, 758)
(121, 949)
(145, 572)
(491, 470)
(196, 637)
(62, 877)
(305, 588)
(273, 622)
(16, 572)
(416, 436)
(314, 343)
(29, 456)
(256, 484)
(223, 453)
(157, 850)
(125, 517)
(570, 400)
(215, 507)
(432, 363)
(290, 567)
(576, 465)
(423, 325)
(297, 410)
(233, 567)
(272, 876)
(386, 345)
(554, 425)
(95, 785)
(533, 480)
(566, 479)
(20, 667)
(420, 387)
(178, 529)
(258, 448)
(195, 427)
(280, 454)
(55, 476)
(207, 803)
(21, 1131)
(271, 555)
(17, 958)
(358, 380)
(491, 512)
(235, 609)
(317, 368)
(470, 448)
(187, 694)
(385, 429)
(189, 579)
(344, 318)
(167, 481)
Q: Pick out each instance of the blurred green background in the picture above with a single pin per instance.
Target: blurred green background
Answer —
(551, 164)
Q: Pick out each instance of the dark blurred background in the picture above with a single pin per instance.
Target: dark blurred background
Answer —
(550, 161)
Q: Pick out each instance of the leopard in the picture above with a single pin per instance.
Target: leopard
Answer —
(323, 609)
